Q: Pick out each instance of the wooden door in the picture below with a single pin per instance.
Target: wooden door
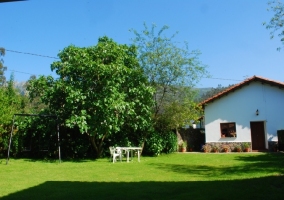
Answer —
(257, 135)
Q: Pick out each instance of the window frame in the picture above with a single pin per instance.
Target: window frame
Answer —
(228, 130)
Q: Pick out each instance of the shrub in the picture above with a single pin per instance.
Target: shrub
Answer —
(206, 147)
(170, 142)
(154, 144)
(226, 147)
(215, 148)
(246, 145)
(238, 148)
(158, 142)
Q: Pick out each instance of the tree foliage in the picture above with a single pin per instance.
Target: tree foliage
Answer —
(33, 105)
(173, 70)
(160, 142)
(99, 90)
(2, 67)
(276, 23)
(10, 103)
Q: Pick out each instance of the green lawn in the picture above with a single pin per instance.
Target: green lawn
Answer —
(174, 176)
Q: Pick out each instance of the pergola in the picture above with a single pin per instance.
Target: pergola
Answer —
(35, 115)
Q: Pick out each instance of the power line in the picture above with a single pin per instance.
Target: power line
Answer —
(32, 54)
(20, 72)
(224, 79)
(203, 77)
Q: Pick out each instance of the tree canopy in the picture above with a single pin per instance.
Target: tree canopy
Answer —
(276, 23)
(99, 89)
(173, 70)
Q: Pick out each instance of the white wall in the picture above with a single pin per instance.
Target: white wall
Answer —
(240, 107)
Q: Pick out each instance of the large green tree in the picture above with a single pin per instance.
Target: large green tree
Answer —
(99, 90)
(173, 70)
(276, 23)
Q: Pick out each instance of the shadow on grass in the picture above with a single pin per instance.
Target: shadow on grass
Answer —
(265, 163)
(270, 187)
(273, 158)
(51, 160)
(259, 188)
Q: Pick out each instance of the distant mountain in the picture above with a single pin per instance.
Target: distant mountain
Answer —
(21, 87)
(205, 93)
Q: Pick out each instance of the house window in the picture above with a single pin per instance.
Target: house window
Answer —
(228, 129)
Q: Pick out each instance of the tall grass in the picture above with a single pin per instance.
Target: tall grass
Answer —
(174, 176)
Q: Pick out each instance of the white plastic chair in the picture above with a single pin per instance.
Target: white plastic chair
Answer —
(114, 153)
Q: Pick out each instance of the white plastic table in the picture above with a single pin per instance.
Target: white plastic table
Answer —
(131, 149)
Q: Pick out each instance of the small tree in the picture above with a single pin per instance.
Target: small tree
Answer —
(180, 111)
(173, 70)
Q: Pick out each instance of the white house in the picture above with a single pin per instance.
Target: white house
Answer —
(251, 111)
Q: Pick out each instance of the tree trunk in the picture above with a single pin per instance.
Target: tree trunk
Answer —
(97, 144)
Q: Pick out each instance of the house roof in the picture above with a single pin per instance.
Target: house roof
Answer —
(242, 84)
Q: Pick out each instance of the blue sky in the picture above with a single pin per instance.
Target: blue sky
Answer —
(229, 33)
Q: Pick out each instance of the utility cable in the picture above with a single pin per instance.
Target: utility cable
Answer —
(20, 72)
(33, 54)
(224, 79)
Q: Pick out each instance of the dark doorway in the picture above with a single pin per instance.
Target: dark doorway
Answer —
(257, 135)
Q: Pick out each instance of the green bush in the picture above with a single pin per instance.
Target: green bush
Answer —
(154, 144)
(170, 142)
(158, 143)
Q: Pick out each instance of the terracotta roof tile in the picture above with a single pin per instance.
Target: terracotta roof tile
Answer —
(240, 85)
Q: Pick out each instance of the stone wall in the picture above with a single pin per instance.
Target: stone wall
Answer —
(195, 139)
(230, 146)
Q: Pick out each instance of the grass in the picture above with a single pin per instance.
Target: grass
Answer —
(174, 176)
